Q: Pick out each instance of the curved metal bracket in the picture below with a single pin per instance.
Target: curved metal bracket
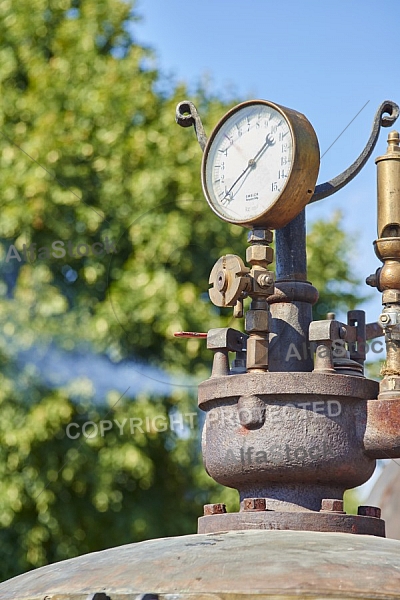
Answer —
(187, 115)
(324, 190)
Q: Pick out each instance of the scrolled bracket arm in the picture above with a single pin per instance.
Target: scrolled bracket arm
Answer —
(385, 116)
(186, 116)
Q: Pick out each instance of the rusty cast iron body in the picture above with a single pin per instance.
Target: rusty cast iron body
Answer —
(297, 423)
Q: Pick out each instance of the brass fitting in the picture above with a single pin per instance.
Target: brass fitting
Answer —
(389, 189)
(257, 321)
(259, 254)
(387, 249)
(387, 246)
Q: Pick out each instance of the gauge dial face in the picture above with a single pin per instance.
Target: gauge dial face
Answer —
(248, 161)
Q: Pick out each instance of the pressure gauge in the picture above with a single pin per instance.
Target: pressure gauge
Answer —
(260, 165)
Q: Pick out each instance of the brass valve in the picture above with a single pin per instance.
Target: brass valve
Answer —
(229, 278)
(387, 249)
(387, 246)
(231, 281)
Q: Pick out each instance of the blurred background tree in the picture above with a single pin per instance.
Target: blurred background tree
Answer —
(89, 152)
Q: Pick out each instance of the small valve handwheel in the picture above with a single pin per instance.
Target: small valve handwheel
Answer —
(228, 278)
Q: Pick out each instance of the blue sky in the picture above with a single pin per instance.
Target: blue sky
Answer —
(325, 59)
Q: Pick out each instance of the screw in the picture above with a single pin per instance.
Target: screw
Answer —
(332, 505)
(265, 281)
(384, 318)
(254, 504)
(214, 509)
(369, 511)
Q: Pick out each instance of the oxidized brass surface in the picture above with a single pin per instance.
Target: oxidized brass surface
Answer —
(227, 566)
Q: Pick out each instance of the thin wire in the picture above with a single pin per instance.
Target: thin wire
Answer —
(347, 126)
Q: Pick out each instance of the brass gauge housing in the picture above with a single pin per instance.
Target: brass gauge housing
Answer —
(260, 165)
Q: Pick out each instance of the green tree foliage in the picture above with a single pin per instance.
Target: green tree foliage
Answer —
(89, 152)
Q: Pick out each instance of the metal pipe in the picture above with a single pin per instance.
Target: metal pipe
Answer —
(291, 257)
(291, 306)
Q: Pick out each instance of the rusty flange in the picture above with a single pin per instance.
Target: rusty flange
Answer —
(282, 385)
(299, 521)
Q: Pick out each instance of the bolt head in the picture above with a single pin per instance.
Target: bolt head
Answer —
(254, 504)
(214, 509)
(332, 505)
(369, 511)
(260, 235)
(265, 281)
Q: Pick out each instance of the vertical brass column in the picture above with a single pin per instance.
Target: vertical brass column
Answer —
(257, 321)
(387, 249)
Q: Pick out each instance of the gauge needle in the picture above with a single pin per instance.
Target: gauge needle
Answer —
(269, 141)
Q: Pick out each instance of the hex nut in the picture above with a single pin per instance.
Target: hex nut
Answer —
(390, 296)
(265, 280)
(214, 509)
(257, 352)
(259, 253)
(257, 320)
(254, 504)
(332, 505)
(369, 511)
(260, 235)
